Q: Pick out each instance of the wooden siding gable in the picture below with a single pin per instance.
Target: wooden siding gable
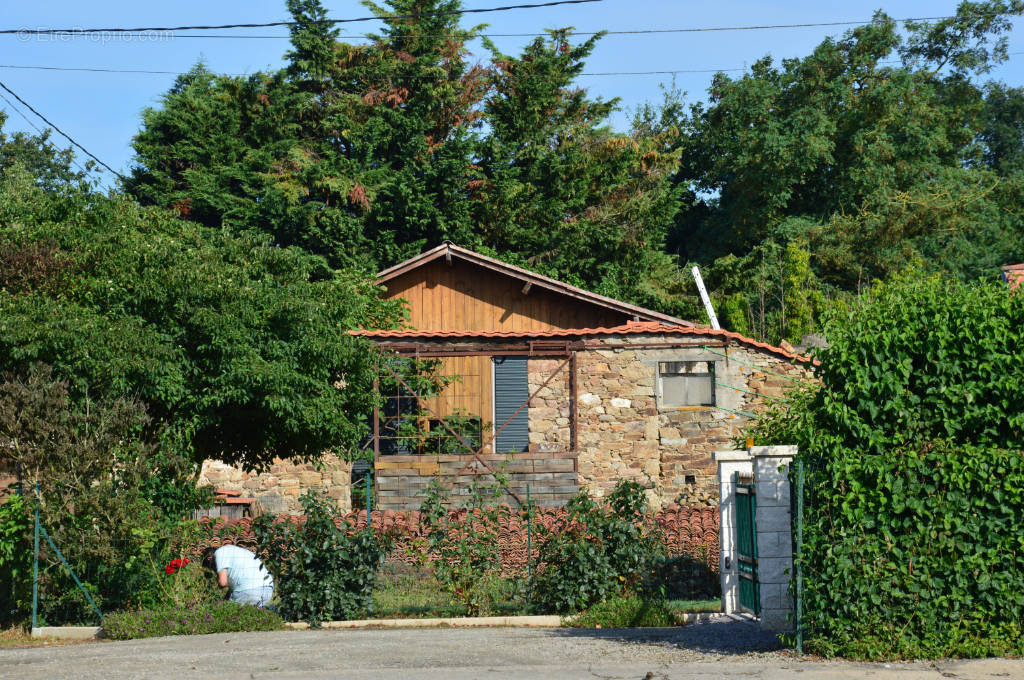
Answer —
(451, 288)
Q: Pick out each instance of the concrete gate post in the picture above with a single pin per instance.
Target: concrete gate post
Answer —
(774, 534)
(770, 468)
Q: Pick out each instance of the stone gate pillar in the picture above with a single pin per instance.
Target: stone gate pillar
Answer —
(774, 534)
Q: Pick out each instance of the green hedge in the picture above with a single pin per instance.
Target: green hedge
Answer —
(915, 477)
(916, 553)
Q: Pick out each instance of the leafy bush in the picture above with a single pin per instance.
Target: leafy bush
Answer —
(683, 577)
(219, 617)
(915, 480)
(629, 611)
(464, 544)
(321, 572)
(602, 551)
(186, 584)
(15, 557)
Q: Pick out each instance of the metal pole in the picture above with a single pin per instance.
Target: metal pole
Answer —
(799, 556)
(35, 566)
(369, 501)
(529, 545)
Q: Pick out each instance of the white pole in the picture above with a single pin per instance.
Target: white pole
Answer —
(705, 298)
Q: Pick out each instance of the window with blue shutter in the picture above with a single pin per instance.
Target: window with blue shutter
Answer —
(510, 392)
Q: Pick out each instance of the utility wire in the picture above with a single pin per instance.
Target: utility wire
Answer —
(245, 75)
(24, 32)
(391, 17)
(35, 127)
(57, 129)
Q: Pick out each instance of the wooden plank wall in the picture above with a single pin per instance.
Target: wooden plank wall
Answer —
(472, 393)
(463, 296)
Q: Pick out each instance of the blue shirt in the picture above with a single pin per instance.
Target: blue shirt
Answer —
(245, 571)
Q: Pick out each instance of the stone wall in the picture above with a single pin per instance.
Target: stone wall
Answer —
(623, 431)
(626, 433)
(278, 489)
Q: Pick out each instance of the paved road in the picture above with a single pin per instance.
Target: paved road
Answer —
(722, 648)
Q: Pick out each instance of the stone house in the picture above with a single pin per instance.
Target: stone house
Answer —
(554, 387)
(559, 388)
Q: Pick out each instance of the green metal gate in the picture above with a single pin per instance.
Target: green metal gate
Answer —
(746, 543)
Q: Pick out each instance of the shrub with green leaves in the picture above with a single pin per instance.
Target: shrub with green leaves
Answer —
(915, 477)
(321, 572)
(464, 543)
(218, 617)
(602, 551)
(625, 611)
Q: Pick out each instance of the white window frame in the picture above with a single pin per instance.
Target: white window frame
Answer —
(665, 369)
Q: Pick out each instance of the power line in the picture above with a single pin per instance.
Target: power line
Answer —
(244, 75)
(37, 128)
(71, 32)
(57, 129)
(153, 29)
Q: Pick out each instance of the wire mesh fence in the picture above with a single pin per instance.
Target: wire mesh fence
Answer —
(464, 557)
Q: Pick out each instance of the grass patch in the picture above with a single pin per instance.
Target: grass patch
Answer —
(695, 606)
(404, 592)
(219, 617)
(626, 612)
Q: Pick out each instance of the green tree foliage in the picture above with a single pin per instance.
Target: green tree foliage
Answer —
(560, 193)
(876, 149)
(912, 447)
(236, 348)
(369, 154)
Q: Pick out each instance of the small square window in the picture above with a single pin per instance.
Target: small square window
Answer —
(687, 383)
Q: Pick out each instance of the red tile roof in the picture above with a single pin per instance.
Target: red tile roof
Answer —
(1013, 274)
(630, 328)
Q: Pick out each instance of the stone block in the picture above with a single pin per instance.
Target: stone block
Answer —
(775, 596)
(772, 520)
(272, 503)
(776, 620)
(619, 402)
(589, 399)
(774, 569)
(774, 544)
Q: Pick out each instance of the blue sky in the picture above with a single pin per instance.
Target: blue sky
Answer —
(102, 110)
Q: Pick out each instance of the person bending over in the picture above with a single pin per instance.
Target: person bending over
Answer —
(242, 573)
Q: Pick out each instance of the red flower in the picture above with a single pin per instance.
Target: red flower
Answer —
(169, 569)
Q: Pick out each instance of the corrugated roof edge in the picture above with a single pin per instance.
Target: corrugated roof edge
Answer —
(450, 249)
(631, 328)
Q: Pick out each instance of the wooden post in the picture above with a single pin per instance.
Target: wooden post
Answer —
(573, 407)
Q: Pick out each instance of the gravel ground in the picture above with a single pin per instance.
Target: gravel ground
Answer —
(724, 646)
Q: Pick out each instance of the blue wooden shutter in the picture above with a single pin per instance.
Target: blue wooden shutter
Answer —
(510, 392)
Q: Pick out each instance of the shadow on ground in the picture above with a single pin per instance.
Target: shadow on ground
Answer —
(724, 634)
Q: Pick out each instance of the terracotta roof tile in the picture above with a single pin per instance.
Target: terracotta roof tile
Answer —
(630, 328)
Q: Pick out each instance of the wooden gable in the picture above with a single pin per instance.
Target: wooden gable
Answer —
(464, 296)
(454, 289)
